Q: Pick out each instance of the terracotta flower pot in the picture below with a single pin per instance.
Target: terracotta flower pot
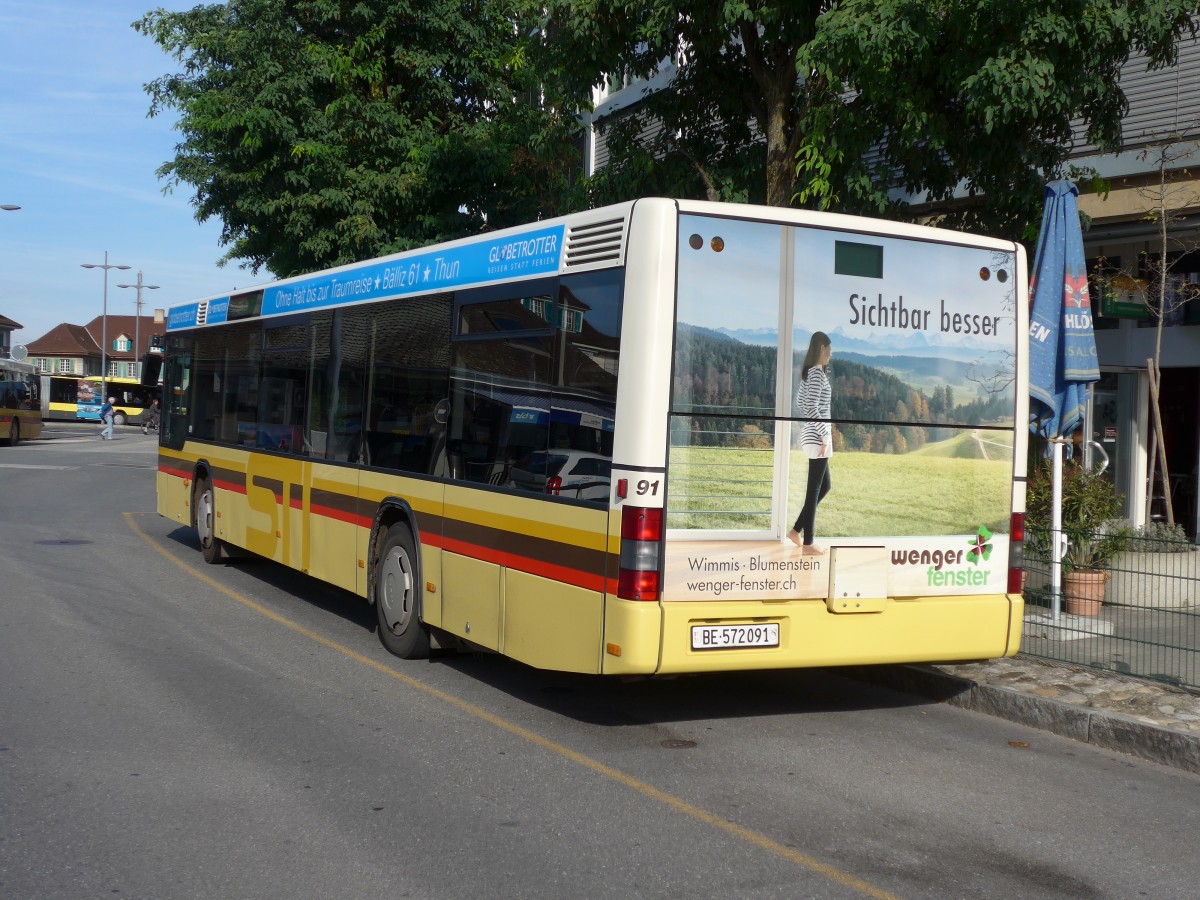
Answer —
(1084, 591)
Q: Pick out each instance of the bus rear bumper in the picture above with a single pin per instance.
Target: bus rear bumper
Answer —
(908, 630)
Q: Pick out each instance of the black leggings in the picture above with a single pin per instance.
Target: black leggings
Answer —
(819, 484)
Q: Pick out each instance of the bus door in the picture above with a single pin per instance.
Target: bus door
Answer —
(529, 450)
(275, 481)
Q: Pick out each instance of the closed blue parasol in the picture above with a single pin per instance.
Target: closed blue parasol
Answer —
(1062, 347)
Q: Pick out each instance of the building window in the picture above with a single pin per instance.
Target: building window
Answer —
(43, 364)
(122, 345)
(66, 366)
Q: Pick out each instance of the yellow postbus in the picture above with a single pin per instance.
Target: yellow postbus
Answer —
(583, 443)
(60, 396)
(20, 403)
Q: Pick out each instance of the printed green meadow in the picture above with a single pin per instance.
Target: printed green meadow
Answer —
(947, 487)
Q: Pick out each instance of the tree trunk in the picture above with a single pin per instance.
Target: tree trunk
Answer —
(774, 72)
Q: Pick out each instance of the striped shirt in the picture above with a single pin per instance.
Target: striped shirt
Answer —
(813, 399)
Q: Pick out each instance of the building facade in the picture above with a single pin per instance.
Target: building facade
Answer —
(7, 327)
(75, 349)
(1145, 232)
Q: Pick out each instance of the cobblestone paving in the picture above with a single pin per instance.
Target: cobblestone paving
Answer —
(1154, 704)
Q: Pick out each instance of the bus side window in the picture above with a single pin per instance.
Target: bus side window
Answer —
(500, 380)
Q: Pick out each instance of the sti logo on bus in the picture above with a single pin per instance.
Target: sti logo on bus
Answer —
(938, 562)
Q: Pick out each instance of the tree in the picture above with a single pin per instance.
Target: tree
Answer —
(726, 129)
(969, 103)
(325, 131)
(835, 104)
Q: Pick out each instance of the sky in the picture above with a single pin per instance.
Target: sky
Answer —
(78, 154)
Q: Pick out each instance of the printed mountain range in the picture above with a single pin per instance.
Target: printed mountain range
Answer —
(731, 384)
(916, 343)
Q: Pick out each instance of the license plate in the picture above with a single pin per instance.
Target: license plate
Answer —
(733, 637)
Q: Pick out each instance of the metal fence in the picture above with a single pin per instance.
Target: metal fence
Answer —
(1147, 623)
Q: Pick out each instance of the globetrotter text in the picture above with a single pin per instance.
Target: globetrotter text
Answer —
(538, 246)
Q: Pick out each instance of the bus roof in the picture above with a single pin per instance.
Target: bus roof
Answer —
(10, 366)
(584, 241)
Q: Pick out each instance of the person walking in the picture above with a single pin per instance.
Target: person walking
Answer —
(816, 438)
(150, 419)
(106, 416)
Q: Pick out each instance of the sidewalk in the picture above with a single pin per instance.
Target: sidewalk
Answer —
(1156, 722)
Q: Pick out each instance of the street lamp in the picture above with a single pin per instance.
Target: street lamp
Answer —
(137, 323)
(106, 265)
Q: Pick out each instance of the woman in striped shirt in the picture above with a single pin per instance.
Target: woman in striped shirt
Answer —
(816, 438)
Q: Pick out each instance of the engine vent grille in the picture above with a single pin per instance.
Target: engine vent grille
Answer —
(595, 242)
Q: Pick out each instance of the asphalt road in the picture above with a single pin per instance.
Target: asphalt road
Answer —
(175, 730)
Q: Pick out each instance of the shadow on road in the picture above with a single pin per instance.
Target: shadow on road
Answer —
(596, 700)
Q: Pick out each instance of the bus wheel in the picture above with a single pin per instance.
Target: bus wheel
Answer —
(397, 602)
(119, 418)
(206, 516)
(14, 432)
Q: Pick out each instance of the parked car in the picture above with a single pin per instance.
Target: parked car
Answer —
(565, 473)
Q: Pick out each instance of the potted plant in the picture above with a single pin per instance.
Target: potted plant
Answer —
(1090, 521)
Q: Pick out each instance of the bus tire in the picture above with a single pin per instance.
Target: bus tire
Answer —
(14, 432)
(211, 546)
(397, 596)
(119, 418)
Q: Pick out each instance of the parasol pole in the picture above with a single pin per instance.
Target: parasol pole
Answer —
(1058, 540)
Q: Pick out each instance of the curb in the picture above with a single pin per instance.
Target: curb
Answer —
(1112, 731)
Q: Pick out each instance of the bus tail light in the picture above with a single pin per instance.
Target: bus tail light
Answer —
(554, 485)
(641, 554)
(1016, 553)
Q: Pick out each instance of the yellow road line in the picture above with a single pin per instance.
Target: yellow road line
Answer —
(647, 790)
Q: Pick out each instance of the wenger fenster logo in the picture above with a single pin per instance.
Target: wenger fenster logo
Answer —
(956, 566)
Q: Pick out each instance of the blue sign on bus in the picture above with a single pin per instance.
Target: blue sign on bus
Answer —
(530, 253)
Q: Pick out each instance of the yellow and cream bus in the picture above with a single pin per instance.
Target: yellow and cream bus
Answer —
(60, 396)
(20, 404)
(80, 397)
(578, 443)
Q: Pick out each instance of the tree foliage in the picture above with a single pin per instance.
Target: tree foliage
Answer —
(325, 131)
(843, 101)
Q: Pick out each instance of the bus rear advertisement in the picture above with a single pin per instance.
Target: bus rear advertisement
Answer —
(659, 437)
(130, 399)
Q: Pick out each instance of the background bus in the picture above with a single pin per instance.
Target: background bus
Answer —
(131, 399)
(60, 397)
(391, 427)
(20, 402)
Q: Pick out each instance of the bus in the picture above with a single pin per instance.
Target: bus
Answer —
(131, 399)
(20, 403)
(60, 397)
(577, 443)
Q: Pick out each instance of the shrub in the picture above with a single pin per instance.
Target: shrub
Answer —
(1159, 537)
(1091, 520)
